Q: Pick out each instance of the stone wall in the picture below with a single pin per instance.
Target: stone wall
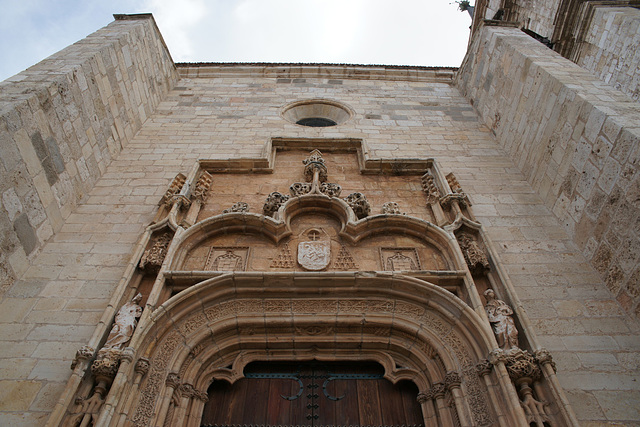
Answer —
(574, 138)
(54, 307)
(535, 15)
(61, 123)
(610, 48)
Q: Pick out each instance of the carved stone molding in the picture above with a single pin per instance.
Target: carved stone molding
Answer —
(497, 356)
(153, 257)
(105, 367)
(231, 258)
(358, 202)
(474, 256)
(454, 184)
(237, 207)
(186, 390)
(330, 189)
(521, 364)
(400, 259)
(315, 163)
(284, 258)
(84, 353)
(127, 354)
(174, 188)
(438, 390)
(201, 396)
(544, 357)
(299, 188)
(430, 189)
(142, 366)
(452, 380)
(173, 380)
(344, 261)
(424, 397)
(201, 191)
(484, 368)
(273, 203)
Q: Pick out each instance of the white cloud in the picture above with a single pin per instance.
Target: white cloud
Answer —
(176, 20)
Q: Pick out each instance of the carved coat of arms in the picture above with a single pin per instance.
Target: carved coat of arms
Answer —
(314, 255)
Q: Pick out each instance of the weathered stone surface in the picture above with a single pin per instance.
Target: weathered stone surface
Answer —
(526, 181)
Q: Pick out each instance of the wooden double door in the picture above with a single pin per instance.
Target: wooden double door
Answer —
(312, 394)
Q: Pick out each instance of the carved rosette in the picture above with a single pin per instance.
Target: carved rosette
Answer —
(474, 256)
(237, 207)
(330, 189)
(153, 257)
(201, 191)
(299, 188)
(430, 189)
(314, 163)
(273, 203)
(391, 208)
(358, 202)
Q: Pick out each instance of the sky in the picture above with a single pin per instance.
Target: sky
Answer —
(393, 32)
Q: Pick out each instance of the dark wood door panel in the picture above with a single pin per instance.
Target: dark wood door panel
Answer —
(312, 394)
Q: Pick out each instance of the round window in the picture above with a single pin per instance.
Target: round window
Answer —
(316, 113)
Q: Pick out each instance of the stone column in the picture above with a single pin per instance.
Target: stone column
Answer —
(194, 415)
(452, 381)
(172, 384)
(141, 368)
(439, 391)
(187, 393)
(428, 411)
(484, 370)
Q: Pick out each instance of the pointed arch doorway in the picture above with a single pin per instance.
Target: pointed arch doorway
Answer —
(313, 394)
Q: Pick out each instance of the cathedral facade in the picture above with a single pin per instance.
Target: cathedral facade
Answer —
(316, 244)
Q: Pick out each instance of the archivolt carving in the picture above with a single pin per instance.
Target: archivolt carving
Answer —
(311, 307)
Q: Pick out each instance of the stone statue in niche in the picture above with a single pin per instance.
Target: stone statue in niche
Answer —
(501, 317)
(124, 325)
